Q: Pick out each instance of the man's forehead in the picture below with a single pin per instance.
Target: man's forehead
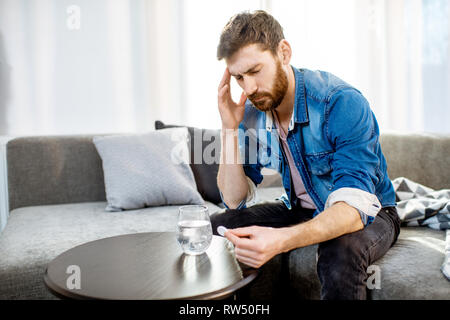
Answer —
(245, 59)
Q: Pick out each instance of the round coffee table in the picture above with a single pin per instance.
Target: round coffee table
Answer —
(146, 266)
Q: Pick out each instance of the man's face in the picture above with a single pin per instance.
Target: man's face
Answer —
(260, 75)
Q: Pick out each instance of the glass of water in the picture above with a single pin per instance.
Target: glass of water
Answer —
(194, 229)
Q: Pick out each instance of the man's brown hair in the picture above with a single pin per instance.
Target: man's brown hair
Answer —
(249, 28)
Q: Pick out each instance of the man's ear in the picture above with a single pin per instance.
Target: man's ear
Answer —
(285, 52)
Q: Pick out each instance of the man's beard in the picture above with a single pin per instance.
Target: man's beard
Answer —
(270, 101)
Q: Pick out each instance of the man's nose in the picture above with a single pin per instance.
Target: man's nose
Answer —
(250, 86)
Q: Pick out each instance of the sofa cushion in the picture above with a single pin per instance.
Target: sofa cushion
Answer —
(148, 169)
(202, 141)
(409, 270)
(36, 235)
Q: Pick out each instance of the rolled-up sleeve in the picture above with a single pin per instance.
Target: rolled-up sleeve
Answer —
(366, 203)
(353, 131)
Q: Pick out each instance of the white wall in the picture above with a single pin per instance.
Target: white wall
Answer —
(66, 80)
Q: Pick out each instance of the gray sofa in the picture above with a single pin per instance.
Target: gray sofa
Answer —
(57, 201)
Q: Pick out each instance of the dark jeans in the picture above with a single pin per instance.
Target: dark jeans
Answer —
(342, 262)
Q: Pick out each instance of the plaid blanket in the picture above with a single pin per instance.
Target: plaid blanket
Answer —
(418, 205)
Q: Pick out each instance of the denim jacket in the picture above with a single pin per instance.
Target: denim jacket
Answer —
(334, 139)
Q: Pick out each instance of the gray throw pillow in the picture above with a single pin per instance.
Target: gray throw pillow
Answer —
(205, 173)
(150, 169)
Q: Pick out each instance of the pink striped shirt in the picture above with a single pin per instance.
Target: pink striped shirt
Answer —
(299, 187)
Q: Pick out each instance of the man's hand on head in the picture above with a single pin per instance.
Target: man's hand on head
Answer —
(231, 112)
(255, 245)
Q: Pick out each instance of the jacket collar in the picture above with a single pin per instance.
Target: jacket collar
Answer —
(300, 108)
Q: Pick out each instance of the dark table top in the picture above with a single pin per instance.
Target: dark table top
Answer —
(147, 266)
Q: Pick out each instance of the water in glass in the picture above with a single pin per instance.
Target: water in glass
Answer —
(194, 229)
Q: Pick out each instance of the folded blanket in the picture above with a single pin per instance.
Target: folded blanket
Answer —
(418, 205)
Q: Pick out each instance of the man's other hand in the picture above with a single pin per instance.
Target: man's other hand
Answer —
(254, 245)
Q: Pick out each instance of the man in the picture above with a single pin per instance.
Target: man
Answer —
(321, 135)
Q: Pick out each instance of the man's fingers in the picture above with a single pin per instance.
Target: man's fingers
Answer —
(247, 261)
(224, 94)
(225, 79)
(244, 243)
(223, 91)
(233, 238)
(242, 232)
(245, 253)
